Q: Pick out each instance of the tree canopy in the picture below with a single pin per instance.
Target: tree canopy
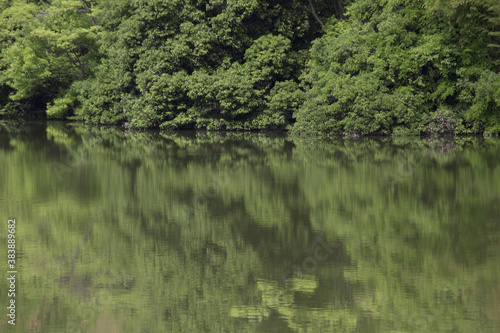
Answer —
(316, 67)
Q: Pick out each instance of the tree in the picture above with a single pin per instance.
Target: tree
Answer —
(210, 66)
(54, 48)
(392, 66)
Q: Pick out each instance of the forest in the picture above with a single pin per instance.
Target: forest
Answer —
(311, 67)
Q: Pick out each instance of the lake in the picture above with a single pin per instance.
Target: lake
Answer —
(122, 231)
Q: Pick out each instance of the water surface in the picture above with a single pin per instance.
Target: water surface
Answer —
(229, 232)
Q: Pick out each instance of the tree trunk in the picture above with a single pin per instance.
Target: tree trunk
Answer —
(87, 10)
(313, 11)
(339, 9)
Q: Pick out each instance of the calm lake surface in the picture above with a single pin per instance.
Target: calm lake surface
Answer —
(231, 232)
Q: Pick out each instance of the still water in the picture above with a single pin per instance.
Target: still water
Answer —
(229, 232)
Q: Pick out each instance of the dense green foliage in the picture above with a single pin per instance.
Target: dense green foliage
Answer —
(46, 49)
(373, 67)
(400, 66)
(206, 232)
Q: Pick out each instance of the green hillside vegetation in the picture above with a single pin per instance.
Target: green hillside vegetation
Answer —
(402, 67)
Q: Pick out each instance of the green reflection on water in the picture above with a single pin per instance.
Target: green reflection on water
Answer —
(231, 232)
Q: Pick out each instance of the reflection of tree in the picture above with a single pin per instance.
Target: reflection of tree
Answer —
(281, 299)
(414, 253)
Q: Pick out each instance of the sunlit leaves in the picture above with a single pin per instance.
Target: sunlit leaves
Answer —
(57, 46)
